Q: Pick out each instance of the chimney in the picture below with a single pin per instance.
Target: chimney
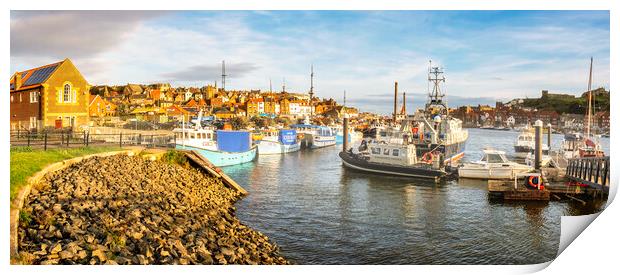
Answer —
(18, 80)
(395, 100)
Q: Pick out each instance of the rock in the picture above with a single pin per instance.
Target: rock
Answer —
(57, 248)
(65, 255)
(99, 254)
(142, 260)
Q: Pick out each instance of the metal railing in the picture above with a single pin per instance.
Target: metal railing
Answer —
(60, 139)
(593, 171)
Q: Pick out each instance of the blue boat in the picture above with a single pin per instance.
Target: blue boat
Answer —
(279, 142)
(222, 148)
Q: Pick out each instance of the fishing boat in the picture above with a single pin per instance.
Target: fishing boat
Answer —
(492, 165)
(222, 148)
(278, 142)
(392, 159)
(315, 136)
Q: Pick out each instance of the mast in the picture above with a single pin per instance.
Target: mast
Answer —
(311, 86)
(270, 90)
(435, 96)
(395, 101)
(223, 76)
(283, 85)
(589, 99)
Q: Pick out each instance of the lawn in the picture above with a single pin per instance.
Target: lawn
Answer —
(26, 161)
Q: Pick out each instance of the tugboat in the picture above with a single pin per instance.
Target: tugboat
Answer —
(392, 159)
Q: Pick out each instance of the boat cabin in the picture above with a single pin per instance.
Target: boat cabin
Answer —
(494, 156)
(397, 154)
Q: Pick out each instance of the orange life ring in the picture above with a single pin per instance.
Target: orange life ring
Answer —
(414, 130)
(427, 157)
(530, 181)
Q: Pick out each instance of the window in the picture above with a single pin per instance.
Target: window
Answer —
(375, 150)
(395, 152)
(20, 97)
(11, 98)
(33, 122)
(495, 158)
(386, 152)
(66, 97)
(34, 97)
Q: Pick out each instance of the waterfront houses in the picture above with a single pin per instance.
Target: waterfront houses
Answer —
(99, 107)
(54, 95)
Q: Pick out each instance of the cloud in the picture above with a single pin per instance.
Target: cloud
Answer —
(202, 72)
(71, 33)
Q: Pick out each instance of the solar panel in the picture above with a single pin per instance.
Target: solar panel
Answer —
(40, 75)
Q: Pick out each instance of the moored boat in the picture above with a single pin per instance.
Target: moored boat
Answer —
(279, 142)
(315, 136)
(493, 165)
(222, 148)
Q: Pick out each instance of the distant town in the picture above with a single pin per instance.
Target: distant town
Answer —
(58, 96)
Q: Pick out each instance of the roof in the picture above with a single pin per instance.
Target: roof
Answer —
(34, 77)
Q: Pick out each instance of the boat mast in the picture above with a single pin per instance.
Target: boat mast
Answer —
(435, 96)
(589, 99)
(223, 77)
(311, 86)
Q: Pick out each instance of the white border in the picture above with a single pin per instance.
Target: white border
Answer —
(593, 252)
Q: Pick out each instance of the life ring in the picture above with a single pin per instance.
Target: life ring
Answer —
(414, 130)
(533, 181)
(427, 157)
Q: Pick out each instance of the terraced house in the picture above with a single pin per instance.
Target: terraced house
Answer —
(54, 95)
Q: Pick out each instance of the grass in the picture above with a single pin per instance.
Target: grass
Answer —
(175, 157)
(26, 161)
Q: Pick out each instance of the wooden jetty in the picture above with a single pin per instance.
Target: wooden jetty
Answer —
(200, 161)
(592, 171)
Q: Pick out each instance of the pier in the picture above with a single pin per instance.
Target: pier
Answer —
(593, 171)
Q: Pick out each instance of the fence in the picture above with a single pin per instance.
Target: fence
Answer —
(59, 139)
(591, 171)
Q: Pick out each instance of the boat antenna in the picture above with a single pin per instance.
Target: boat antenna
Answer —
(223, 76)
(436, 95)
(590, 99)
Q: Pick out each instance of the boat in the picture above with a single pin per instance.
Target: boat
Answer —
(392, 159)
(525, 142)
(278, 142)
(222, 148)
(434, 129)
(354, 136)
(315, 136)
(493, 165)
(588, 145)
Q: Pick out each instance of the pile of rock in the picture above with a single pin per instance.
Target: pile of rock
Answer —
(127, 210)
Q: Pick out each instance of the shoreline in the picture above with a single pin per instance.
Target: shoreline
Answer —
(129, 210)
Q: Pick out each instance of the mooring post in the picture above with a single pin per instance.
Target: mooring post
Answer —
(538, 125)
(345, 133)
(45, 142)
(120, 140)
(549, 137)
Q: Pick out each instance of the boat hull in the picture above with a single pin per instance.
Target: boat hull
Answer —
(220, 158)
(266, 147)
(490, 173)
(521, 151)
(397, 170)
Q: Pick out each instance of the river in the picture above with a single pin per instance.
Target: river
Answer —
(318, 212)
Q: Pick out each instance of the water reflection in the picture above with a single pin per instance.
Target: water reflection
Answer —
(319, 212)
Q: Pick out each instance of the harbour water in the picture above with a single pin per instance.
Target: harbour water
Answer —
(318, 212)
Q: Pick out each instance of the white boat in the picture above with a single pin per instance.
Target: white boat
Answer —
(525, 142)
(493, 165)
(354, 136)
(278, 142)
(315, 136)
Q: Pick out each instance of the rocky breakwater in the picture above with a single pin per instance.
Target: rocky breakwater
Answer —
(127, 210)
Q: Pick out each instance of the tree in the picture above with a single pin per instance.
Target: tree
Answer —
(239, 123)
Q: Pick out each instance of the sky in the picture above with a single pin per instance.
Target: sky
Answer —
(487, 56)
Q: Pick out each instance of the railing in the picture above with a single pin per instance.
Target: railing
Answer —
(591, 171)
(59, 139)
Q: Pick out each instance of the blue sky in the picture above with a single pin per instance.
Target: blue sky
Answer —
(487, 55)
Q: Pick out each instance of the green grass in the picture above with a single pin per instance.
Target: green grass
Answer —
(26, 161)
